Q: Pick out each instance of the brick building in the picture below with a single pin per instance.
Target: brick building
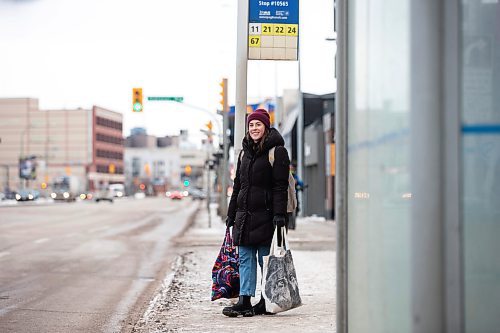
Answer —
(82, 143)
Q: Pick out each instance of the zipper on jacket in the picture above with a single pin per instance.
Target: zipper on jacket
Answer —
(247, 212)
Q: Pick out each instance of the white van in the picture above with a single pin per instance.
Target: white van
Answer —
(117, 190)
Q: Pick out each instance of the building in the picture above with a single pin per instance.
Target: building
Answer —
(319, 148)
(418, 166)
(107, 165)
(157, 164)
(81, 143)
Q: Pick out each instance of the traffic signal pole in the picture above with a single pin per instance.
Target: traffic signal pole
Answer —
(224, 168)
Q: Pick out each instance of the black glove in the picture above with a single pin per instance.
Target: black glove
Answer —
(229, 222)
(279, 221)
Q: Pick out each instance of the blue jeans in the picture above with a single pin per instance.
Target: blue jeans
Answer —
(248, 267)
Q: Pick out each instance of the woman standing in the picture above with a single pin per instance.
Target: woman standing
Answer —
(257, 206)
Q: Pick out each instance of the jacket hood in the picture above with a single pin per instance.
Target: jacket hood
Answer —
(273, 139)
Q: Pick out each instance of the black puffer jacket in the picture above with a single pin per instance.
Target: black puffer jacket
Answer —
(259, 191)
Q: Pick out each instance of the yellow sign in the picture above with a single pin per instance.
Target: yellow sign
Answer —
(292, 29)
(267, 29)
(279, 29)
(254, 41)
(111, 168)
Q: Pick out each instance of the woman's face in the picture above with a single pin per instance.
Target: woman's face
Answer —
(256, 129)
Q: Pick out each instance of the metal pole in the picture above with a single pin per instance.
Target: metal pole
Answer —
(300, 145)
(426, 119)
(453, 225)
(341, 166)
(241, 76)
(21, 180)
(225, 157)
(208, 188)
(6, 166)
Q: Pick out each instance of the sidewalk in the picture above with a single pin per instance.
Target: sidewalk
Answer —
(183, 305)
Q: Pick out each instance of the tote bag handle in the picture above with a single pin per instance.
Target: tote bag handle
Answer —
(275, 248)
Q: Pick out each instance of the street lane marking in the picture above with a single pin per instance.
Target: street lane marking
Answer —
(41, 240)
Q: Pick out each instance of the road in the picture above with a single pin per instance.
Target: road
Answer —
(85, 267)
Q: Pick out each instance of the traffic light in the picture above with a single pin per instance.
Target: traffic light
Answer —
(209, 126)
(137, 105)
(187, 170)
(223, 94)
(186, 182)
(147, 169)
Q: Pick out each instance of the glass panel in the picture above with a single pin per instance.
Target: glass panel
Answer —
(378, 166)
(481, 164)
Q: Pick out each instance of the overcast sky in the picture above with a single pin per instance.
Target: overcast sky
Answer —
(81, 53)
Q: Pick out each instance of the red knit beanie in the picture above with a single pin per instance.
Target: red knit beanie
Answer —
(262, 115)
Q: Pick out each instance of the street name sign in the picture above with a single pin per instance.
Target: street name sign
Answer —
(166, 98)
(273, 30)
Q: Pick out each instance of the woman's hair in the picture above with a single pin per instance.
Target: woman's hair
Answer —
(259, 146)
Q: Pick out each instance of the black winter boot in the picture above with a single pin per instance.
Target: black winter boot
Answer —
(242, 308)
(260, 308)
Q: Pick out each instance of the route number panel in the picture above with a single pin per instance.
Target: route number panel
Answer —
(273, 30)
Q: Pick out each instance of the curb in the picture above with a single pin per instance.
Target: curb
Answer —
(163, 293)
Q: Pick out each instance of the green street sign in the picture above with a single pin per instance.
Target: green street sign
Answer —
(137, 107)
(168, 98)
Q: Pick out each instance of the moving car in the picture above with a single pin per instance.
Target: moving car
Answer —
(104, 195)
(197, 194)
(27, 195)
(177, 195)
(66, 188)
(117, 190)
